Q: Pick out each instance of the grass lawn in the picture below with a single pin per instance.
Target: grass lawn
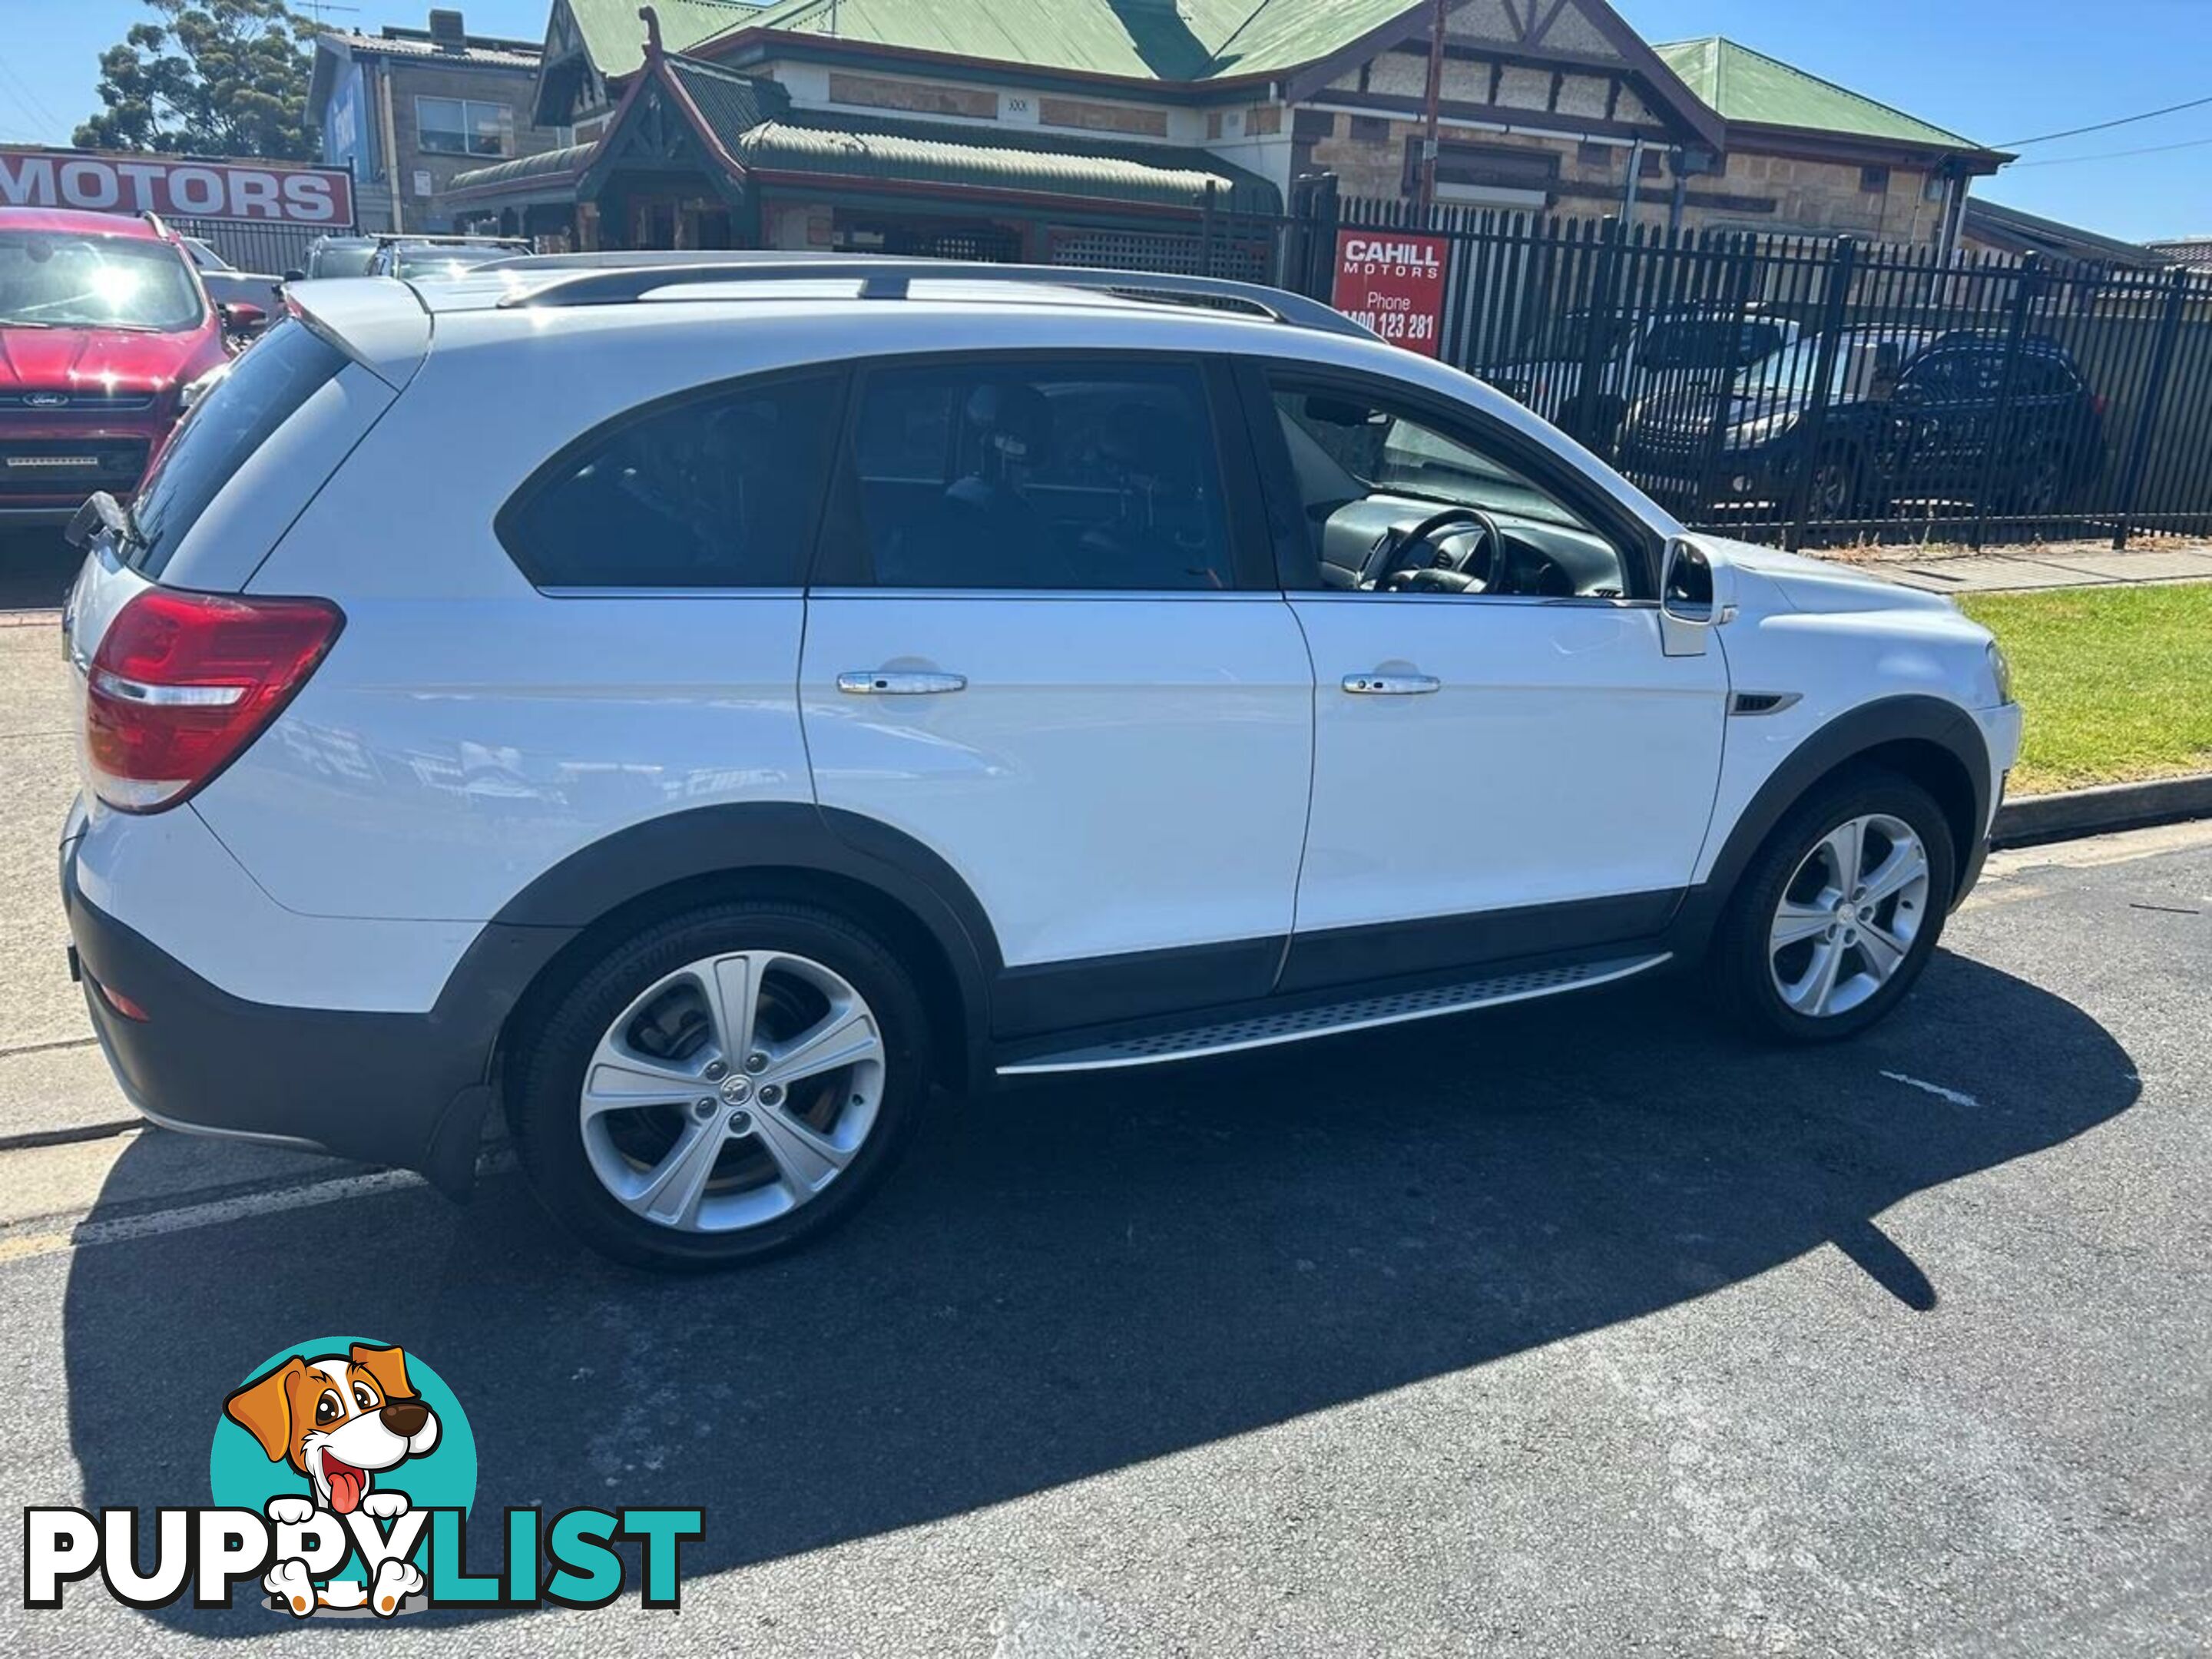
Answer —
(2115, 682)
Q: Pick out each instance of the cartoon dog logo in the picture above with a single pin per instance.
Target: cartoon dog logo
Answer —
(340, 1421)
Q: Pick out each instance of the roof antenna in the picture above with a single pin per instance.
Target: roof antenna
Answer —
(652, 30)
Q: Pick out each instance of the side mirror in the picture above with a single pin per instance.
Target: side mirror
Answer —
(295, 275)
(243, 318)
(1693, 599)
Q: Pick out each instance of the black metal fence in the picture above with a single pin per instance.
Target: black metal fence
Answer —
(1811, 390)
(269, 248)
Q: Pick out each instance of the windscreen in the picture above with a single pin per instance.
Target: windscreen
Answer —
(67, 280)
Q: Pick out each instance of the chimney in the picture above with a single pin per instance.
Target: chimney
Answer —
(449, 31)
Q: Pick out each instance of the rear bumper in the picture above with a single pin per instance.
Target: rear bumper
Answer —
(407, 1089)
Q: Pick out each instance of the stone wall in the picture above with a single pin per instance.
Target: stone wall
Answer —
(1783, 194)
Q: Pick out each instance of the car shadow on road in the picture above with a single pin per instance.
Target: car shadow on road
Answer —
(1072, 1279)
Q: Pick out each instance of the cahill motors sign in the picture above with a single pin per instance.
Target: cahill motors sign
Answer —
(178, 187)
(1393, 281)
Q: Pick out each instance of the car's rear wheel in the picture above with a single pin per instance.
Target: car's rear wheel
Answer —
(721, 1085)
(1839, 910)
(1836, 492)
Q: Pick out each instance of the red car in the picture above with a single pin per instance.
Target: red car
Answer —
(106, 336)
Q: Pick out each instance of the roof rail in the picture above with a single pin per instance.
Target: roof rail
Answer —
(412, 237)
(620, 280)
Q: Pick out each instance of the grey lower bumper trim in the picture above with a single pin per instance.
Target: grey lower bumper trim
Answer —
(1261, 1031)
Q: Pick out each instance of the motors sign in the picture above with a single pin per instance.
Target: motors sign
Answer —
(1393, 281)
(177, 187)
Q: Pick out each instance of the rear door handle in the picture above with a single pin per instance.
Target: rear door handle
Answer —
(1392, 685)
(898, 682)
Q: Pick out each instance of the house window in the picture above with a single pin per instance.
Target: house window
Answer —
(1263, 119)
(1370, 129)
(1594, 155)
(1874, 180)
(1492, 166)
(462, 126)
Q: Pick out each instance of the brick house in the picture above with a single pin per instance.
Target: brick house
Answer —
(1112, 129)
(408, 109)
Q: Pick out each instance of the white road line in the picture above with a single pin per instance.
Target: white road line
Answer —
(123, 1229)
(1935, 1089)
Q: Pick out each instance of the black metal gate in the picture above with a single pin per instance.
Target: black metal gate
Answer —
(269, 248)
(1807, 389)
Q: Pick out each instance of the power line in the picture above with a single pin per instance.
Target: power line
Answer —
(2111, 154)
(29, 101)
(2101, 126)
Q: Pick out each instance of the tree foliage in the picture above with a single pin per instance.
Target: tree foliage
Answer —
(212, 77)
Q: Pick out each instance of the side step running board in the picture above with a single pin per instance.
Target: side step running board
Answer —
(1330, 1019)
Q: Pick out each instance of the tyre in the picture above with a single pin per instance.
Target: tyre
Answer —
(1838, 490)
(724, 1084)
(1839, 910)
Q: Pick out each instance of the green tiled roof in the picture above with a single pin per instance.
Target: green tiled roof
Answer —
(614, 34)
(728, 102)
(1146, 40)
(1285, 34)
(1743, 85)
(1184, 40)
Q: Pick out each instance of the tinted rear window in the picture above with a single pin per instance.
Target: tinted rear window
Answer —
(263, 389)
(721, 489)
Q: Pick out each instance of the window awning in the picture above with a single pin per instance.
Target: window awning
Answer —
(843, 146)
(747, 126)
(545, 175)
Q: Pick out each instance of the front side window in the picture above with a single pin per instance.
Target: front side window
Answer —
(462, 126)
(1959, 375)
(1708, 342)
(718, 490)
(60, 280)
(1397, 502)
(1027, 474)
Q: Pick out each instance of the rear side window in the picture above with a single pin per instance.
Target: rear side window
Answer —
(263, 389)
(1088, 474)
(721, 489)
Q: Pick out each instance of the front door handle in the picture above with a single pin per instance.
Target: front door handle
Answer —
(898, 682)
(1392, 685)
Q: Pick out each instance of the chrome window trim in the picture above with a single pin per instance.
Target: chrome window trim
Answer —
(787, 592)
(1107, 595)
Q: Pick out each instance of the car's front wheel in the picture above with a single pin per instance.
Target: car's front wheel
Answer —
(720, 1086)
(1839, 910)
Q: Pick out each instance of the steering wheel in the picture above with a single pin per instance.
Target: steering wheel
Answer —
(1411, 568)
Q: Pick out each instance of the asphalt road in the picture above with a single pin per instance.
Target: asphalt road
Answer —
(1584, 1328)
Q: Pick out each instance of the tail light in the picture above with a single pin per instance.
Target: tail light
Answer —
(182, 682)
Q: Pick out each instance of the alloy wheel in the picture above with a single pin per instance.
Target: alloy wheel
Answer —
(1848, 916)
(1835, 483)
(733, 1091)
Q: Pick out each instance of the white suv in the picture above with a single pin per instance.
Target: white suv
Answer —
(692, 710)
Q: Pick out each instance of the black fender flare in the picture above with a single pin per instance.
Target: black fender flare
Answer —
(1913, 717)
(730, 838)
(725, 839)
